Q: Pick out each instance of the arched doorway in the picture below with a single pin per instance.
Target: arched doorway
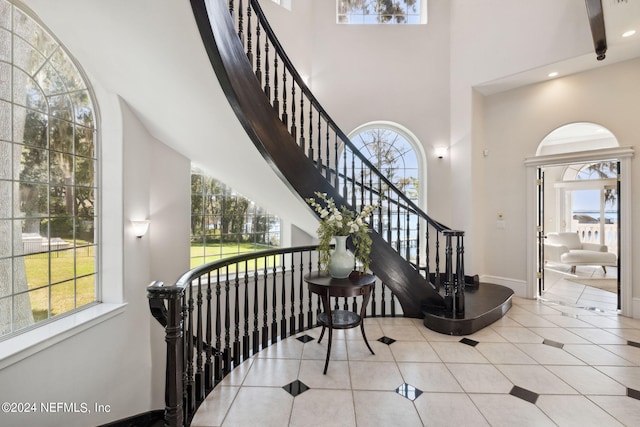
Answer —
(581, 179)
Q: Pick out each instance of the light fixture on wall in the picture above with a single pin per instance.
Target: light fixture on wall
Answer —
(440, 151)
(140, 227)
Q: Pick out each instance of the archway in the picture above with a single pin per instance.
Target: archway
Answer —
(559, 160)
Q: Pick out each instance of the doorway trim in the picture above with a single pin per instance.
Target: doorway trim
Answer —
(622, 154)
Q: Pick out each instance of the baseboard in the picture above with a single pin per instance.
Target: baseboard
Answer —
(635, 307)
(519, 287)
(147, 419)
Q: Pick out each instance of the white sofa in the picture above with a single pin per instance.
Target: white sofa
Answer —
(566, 248)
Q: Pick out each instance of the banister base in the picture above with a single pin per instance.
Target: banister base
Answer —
(483, 306)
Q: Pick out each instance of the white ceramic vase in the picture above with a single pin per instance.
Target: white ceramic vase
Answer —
(342, 261)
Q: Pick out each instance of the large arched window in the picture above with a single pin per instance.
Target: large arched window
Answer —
(392, 151)
(48, 186)
(395, 152)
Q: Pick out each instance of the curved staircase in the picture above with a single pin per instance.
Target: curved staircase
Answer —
(311, 154)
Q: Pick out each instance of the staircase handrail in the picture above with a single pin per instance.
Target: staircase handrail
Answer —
(343, 137)
(215, 319)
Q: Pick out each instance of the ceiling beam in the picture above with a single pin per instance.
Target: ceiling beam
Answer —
(596, 21)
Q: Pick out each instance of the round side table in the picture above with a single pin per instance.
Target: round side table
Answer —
(325, 286)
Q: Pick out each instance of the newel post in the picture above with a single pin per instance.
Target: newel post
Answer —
(170, 316)
(454, 273)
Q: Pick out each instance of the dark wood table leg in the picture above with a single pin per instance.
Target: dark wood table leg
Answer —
(326, 303)
(363, 311)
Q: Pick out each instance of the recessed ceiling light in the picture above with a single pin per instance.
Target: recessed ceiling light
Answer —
(553, 74)
(628, 33)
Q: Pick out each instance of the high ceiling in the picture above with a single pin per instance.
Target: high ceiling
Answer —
(150, 54)
(620, 16)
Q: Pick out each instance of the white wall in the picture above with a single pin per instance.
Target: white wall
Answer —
(365, 73)
(170, 213)
(491, 39)
(516, 122)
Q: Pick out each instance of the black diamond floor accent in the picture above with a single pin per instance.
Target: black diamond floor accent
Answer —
(633, 343)
(295, 388)
(305, 338)
(408, 391)
(633, 393)
(386, 340)
(524, 394)
(553, 343)
(470, 342)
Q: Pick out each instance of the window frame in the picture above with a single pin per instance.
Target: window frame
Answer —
(250, 213)
(43, 333)
(347, 18)
(413, 141)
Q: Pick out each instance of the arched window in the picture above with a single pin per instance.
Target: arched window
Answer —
(392, 151)
(396, 153)
(48, 186)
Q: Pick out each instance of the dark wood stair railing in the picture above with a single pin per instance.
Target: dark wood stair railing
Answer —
(309, 151)
(220, 314)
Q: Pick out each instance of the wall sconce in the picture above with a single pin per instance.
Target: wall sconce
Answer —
(140, 227)
(440, 152)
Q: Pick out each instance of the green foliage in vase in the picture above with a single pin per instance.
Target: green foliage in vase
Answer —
(342, 222)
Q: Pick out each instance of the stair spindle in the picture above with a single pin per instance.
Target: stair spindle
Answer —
(283, 302)
(274, 301)
(245, 336)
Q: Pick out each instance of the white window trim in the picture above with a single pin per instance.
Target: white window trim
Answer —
(412, 139)
(23, 345)
(42, 335)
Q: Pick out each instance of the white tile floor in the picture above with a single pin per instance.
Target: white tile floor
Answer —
(577, 365)
(559, 287)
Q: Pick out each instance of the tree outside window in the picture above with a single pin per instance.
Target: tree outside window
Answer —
(48, 191)
(380, 12)
(395, 157)
(224, 223)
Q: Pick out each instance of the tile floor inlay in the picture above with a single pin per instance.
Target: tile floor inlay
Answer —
(386, 340)
(305, 338)
(408, 391)
(633, 393)
(470, 342)
(524, 394)
(553, 343)
(296, 387)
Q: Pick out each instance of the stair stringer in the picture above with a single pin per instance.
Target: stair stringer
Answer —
(280, 150)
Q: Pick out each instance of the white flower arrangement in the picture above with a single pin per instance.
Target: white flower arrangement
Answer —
(342, 222)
